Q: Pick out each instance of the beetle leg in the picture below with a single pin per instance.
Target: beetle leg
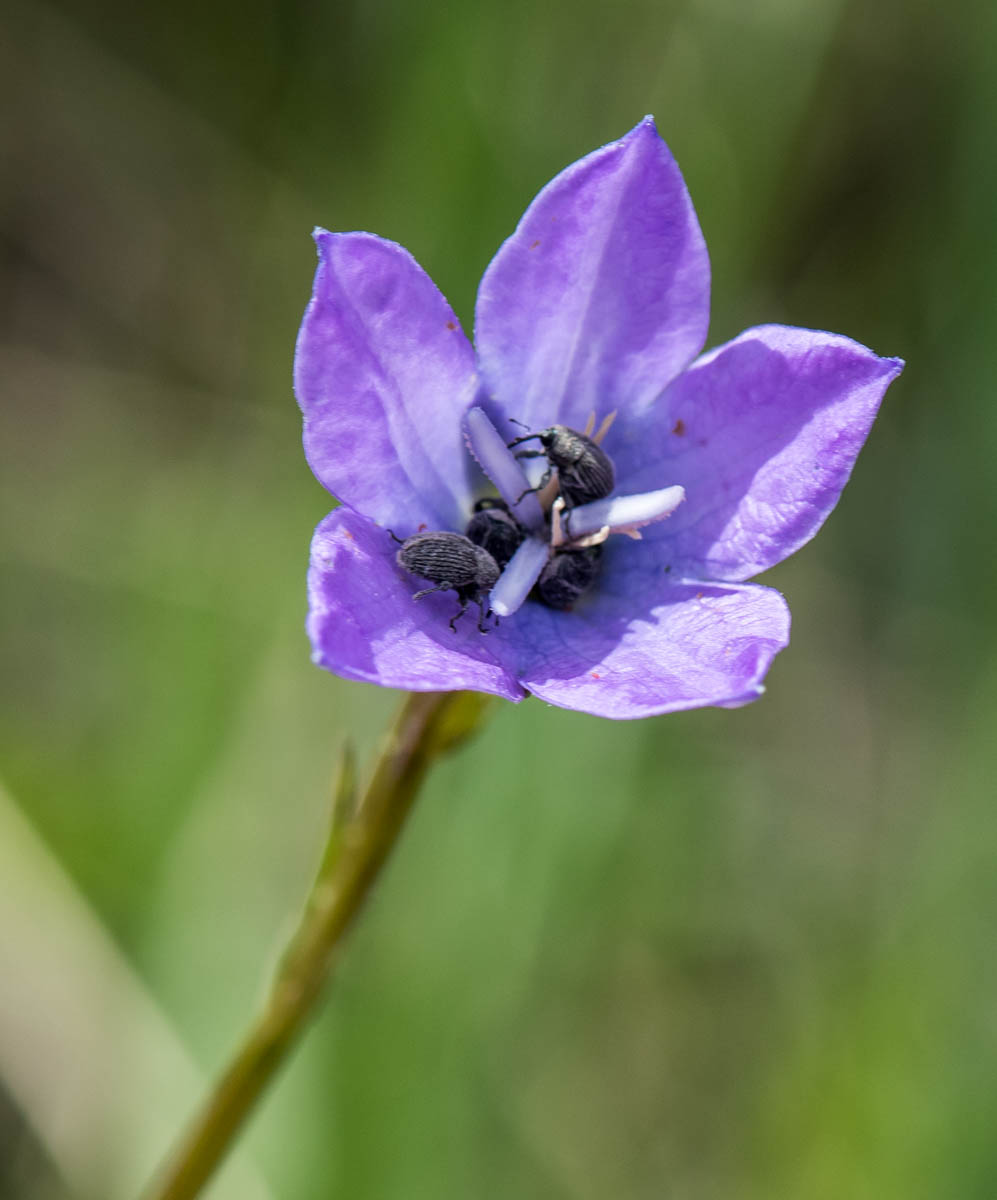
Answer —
(540, 486)
(460, 612)
(485, 613)
(440, 587)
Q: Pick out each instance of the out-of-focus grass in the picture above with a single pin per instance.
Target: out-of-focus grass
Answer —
(718, 954)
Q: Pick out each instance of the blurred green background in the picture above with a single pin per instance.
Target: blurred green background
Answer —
(742, 954)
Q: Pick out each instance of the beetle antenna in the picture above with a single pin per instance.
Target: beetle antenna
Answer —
(521, 424)
(400, 541)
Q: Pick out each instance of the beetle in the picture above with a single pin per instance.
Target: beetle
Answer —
(584, 470)
(495, 529)
(567, 576)
(452, 562)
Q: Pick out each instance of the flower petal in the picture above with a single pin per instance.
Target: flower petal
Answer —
(625, 654)
(762, 433)
(601, 296)
(364, 624)
(384, 374)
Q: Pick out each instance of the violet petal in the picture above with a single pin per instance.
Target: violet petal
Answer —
(628, 653)
(364, 624)
(601, 296)
(762, 433)
(384, 374)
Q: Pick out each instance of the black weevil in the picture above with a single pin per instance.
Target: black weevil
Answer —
(495, 529)
(451, 562)
(567, 576)
(584, 470)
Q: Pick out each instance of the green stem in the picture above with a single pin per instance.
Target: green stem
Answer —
(429, 724)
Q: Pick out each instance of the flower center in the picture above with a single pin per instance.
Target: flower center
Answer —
(561, 522)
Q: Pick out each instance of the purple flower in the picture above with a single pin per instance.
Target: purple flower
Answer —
(599, 301)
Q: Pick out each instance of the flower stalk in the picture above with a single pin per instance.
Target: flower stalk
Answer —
(360, 840)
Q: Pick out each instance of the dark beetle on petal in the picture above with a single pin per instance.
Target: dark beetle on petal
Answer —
(451, 562)
(568, 575)
(495, 529)
(584, 470)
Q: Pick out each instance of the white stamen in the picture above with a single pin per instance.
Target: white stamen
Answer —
(502, 468)
(603, 428)
(559, 535)
(547, 494)
(622, 514)
(556, 528)
(517, 580)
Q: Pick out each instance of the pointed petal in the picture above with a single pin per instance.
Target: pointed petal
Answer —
(762, 433)
(601, 296)
(384, 374)
(364, 624)
(623, 654)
